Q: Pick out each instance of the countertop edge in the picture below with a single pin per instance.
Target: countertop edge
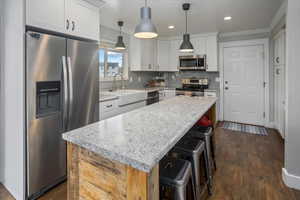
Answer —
(111, 155)
(132, 162)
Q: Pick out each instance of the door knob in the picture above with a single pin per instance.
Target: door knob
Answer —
(226, 82)
(226, 88)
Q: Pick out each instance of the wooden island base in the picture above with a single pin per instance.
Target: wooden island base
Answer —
(92, 177)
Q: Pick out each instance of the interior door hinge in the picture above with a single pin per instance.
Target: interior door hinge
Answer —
(264, 84)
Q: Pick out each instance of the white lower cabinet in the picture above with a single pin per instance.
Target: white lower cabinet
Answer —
(73, 17)
(112, 108)
(130, 107)
(166, 94)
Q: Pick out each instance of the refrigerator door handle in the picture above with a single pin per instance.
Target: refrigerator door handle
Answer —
(66, 93)
(71, 99)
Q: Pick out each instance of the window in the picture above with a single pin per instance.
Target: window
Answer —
(112, 63)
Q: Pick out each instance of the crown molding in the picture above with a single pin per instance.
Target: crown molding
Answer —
(247, 32)
(279, 14)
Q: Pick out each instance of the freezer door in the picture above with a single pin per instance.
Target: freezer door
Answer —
(46, 151)
(84, 83)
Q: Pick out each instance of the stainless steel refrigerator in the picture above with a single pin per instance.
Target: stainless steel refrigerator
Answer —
(62, 93)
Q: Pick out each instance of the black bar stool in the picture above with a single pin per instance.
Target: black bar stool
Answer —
(193, 151)
(205, 134)
(176, 182)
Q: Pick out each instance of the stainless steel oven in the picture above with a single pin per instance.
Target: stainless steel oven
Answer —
(193, 63)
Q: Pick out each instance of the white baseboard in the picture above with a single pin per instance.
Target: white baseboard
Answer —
(290, 180)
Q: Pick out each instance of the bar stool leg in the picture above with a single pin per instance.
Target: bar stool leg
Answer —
(180, 193)
(208, 172)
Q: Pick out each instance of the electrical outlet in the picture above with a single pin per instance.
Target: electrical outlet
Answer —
(130, 79)
(173, 77)
(217, 79)
(139, 79)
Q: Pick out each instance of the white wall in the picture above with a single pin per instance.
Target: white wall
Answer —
(12, 104)
(292, 141)
(1, 67)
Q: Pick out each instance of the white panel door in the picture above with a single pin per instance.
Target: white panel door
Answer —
(243, 84)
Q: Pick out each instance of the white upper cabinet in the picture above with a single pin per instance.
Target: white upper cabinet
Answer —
(83, 18)
(73, 17)
(279, 48)
(165, 56)
(212, 53)
(199, 44)
(174, 54)
(163, 49)
(46, 14)
(143, 54)
(166, 53)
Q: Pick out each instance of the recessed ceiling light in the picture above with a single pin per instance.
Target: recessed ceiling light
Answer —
(227, 18)
(171, 27)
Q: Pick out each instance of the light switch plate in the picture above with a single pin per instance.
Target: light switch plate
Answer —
(217, 79)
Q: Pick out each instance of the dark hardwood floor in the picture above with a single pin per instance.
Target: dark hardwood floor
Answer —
(249, 168)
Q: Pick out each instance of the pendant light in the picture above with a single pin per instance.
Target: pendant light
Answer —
(145, 29)
(186, 45)
(120, 44)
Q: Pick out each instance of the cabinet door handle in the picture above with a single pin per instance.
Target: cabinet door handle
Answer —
(73, 25)
(277, 60)
(149, 66)
(68, 24)
(109, 106)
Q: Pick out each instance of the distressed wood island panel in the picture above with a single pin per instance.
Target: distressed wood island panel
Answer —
(93, 177)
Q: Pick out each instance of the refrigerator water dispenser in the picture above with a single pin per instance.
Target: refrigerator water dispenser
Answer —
(48, 98)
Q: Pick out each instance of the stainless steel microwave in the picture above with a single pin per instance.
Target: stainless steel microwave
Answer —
(193, 63)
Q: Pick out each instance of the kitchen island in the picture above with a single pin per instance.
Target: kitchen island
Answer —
(118, 158)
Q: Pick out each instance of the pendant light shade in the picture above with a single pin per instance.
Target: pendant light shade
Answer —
(186, 45)
(145, 29)
(120, 44)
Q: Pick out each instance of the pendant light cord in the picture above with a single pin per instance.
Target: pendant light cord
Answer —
(186, 22)
(146, 4)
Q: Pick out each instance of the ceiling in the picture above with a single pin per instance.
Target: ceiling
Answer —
(205, 15)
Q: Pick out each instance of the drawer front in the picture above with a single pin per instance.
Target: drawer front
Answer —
(108, 106)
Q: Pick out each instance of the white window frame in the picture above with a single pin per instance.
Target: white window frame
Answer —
(125, 63)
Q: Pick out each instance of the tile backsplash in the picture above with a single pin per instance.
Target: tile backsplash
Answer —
(138, 80)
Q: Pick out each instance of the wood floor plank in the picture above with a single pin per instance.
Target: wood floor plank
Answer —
(249, 168)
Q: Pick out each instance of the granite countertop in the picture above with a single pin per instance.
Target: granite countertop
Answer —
(142, 137)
